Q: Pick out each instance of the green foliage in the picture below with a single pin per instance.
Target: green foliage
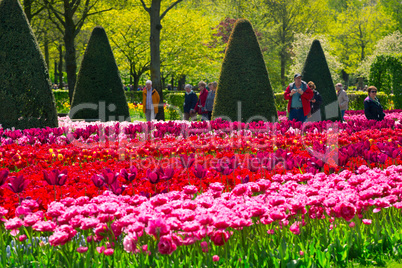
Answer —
(134, 96)
(385, 74)
(176, 99)
(244, 78)
(316, 70)
(99, 92)
(25, 90)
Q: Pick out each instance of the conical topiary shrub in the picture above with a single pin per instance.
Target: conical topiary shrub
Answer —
(316, 69)
(244, 92)
(26, 98)
(99, 92)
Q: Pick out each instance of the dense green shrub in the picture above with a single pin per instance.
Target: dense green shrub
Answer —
(385, 74)
(25, 89)
(316, 69)
(356, 100)
(99, 92)
(244, 79)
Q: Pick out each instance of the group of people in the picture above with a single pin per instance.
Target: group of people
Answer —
(202, 105)
(305, 101)
(193, 105)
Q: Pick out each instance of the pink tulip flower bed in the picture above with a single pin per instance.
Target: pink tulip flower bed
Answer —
(217, 194)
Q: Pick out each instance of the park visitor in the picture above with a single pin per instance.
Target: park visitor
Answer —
(200, 108)
(190, 101)
(372, 107)
(343, 99)
(209, 104)
(315, 102)
(150, 101)
(299, 95)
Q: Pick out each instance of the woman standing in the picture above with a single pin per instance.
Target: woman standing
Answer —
(200, 108)
(372, 107)
(209, 104)
(315, 104)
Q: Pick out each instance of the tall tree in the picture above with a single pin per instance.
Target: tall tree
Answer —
(356, 31)
(69, 17)
(284, 18)
(32, 8)
(156, 18)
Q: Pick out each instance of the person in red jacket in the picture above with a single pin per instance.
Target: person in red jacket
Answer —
(299, 95)
(200, 107)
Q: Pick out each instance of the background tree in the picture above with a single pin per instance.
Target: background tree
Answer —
(32, 8)
(301, 47)
(389, 45)
(156, 17)
(356, 30)
(69, 17)
(99, 83)
(26, 97)
(244, 79)
(284, 18)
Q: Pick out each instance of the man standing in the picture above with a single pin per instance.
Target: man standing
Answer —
(150, 101)
(343, 99)
(190, 101)
(299, 95)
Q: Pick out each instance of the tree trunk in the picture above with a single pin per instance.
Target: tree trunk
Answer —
(46, 48)
(61, 67)
(28, 9)
(283, 67)
(55, 73)
(71, 64)
(155, 54)
(131, 73)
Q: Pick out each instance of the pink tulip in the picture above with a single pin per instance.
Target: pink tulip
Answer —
(215, 258)
(22, 238)
(100, 249)
(366, 221)
(166, 246)
(108, 251)
(82, 249)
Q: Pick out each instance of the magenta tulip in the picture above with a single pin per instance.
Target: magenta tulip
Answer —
(129, 175)
(3, 176)
(17, 184)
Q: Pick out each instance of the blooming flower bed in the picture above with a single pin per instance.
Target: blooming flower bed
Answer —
(258, 194)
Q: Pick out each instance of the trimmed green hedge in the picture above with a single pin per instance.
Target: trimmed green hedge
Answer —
(99, 93)
(244, 79)
(316, 69)
(25, 89)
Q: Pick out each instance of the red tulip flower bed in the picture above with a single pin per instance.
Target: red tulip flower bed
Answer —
(283, 165)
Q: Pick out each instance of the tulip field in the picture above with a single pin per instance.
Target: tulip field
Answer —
(203, 194)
